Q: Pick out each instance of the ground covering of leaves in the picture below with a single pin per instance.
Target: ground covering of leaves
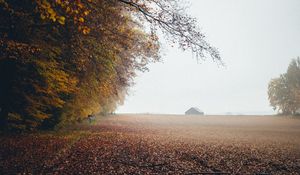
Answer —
(135, 144)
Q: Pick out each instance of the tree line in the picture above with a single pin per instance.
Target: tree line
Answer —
(61, 60)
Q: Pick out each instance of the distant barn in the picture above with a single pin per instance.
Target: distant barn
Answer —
(194, 111)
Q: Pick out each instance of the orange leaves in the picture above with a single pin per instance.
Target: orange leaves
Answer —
(86, 30)
(59, 2)
(69, 75)
(62, 10)
(86, 12)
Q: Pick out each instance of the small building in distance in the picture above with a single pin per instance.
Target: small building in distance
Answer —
(194, 111)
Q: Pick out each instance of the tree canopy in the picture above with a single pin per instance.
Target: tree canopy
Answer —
(284, 91)
(62, 60)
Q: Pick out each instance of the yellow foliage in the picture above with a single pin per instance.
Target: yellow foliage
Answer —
(58, 11)
(70, 77)
(81, 19)
(61, 20)
(58, 1)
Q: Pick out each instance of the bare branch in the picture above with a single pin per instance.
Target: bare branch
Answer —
(178, 27)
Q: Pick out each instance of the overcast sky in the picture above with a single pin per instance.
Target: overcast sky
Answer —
(257, 40)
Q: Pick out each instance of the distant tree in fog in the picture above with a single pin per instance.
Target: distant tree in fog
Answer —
(284, 91)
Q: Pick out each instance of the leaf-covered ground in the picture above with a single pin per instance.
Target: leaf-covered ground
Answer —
(152, 144)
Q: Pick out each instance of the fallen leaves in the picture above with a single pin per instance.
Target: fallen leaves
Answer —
(112, 146)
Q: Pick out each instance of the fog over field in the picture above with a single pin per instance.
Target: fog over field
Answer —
(256, 39)
(150, 87)
(284, 131)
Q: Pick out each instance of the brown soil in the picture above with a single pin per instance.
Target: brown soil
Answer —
(160, 144)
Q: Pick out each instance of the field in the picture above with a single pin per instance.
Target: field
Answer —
(159, 144)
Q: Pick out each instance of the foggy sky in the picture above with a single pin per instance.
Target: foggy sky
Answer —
(257, 40)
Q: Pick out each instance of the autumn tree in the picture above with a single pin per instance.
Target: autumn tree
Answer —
(62, 60)
(284, 91)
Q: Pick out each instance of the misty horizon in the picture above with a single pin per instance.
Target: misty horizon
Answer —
(255, 46)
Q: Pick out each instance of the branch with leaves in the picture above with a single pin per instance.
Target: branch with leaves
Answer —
(177, 26)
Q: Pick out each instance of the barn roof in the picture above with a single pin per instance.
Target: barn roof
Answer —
(195, 109)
